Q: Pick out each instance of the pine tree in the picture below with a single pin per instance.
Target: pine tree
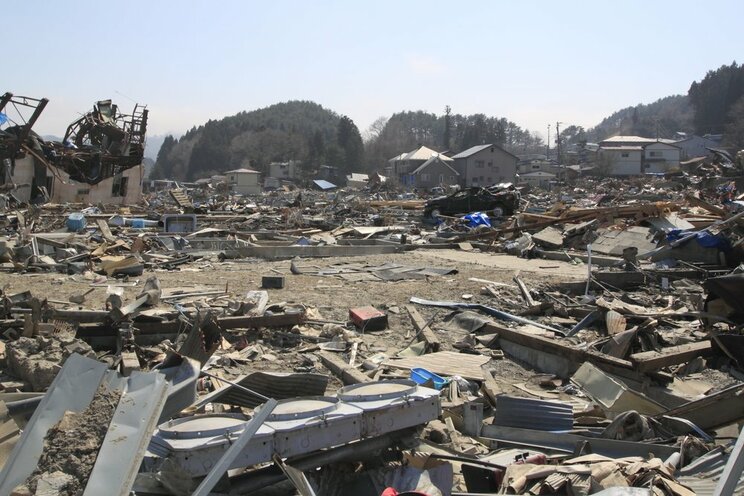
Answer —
(350, 141)
(163, 165)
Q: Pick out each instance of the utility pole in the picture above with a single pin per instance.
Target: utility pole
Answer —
(558, 140)
(547, 152)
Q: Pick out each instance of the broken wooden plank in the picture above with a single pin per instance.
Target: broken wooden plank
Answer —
(254, 322)
(444, 363)
(423, 329)
(348, 375)
(673, 355)
(490, 387)
(547, 345)
(525, 292)
(105, 231)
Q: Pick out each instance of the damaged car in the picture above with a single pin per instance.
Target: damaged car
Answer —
(497, 201)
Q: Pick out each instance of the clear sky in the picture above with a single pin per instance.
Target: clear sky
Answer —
(533, 62)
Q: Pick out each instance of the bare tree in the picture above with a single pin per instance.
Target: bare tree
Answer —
(375, 129)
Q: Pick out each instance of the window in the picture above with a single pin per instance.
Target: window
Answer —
(441, 178)
(496, 170)
(655, 154)
(536, 167)
(119, 186)
(490, 164)
(480, 164)
(625, 155)
(425, 177)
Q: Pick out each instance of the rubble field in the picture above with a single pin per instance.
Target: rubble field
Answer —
(583, 341)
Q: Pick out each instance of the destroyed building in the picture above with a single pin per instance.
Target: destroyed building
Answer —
(98, 160)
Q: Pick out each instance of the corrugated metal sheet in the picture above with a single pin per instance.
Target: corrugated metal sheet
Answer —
(528, 413)
(273, 385)
(703, 474)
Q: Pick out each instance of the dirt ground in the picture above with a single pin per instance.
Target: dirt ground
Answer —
(332, 297)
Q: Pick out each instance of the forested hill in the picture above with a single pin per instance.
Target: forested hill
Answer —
(666, 115)
(295, 130)
(713, 105)
(312, 135)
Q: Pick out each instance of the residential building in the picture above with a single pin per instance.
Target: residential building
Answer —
(485, 165)
(244, 181)
(403, 166)
(283, 170)
(660, 157)
(434, 172)
(538, 179)
(693, 146)
(620, 160)
(635, 155)
(535, 166)
(31, 176)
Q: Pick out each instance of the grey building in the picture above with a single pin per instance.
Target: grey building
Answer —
(693, 146)
(434, 172)
(485, 165)
(421, 167)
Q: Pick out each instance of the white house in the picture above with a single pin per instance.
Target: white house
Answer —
(244, 181)
(538, 179)
(635, 155)
(660, 157)
(621, 160)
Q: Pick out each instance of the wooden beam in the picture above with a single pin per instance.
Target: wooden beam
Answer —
(697, 202)
(279, 320)
(490, 387)
(348, 375)
(525, 292)
(105, 231)
(424, 331)
(654, 360)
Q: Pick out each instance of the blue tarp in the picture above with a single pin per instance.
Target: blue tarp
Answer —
(703, 238)
(477, 219)
(3, 118)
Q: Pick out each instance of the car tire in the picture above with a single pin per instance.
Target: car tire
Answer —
(498, 212)
(435, 213)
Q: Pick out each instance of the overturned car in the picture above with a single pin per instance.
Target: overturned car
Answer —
(497, 201)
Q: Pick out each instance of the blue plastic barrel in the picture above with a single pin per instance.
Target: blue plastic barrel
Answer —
(75, 222)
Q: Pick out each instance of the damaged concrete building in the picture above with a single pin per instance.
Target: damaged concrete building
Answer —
(98, 160)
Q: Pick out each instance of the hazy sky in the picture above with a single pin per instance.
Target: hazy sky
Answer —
(533, 62)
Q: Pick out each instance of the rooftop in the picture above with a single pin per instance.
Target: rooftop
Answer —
(242, 171)
(420, 153)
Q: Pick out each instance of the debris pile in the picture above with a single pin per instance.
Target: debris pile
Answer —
(71, 447)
